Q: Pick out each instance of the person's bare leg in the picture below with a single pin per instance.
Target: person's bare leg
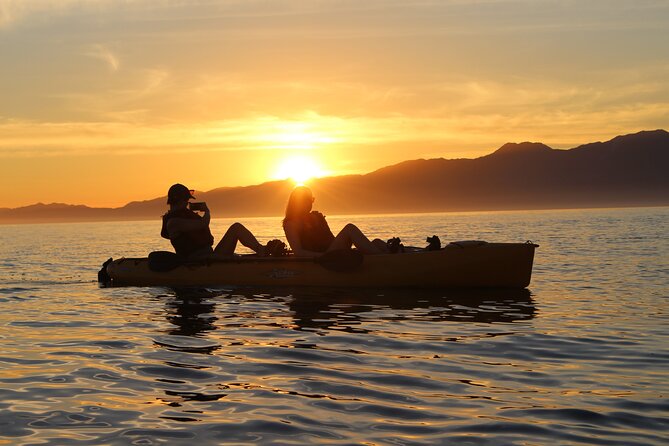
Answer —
(349, 236)
(237, 233)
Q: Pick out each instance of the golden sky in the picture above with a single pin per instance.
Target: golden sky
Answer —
(104, 101)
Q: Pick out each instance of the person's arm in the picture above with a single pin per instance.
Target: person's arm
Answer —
(164, 233)
(206, 217)
(293, 236)
(320, 221)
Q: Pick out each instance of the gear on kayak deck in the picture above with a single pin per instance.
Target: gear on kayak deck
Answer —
(434, 243)
(395, 245)
(276, 248)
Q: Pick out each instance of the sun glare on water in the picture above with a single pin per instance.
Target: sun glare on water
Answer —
(299, 169)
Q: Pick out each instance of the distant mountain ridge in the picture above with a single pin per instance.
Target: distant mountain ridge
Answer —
(629, 170)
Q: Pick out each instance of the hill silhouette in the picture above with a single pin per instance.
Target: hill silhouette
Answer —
(628, 170)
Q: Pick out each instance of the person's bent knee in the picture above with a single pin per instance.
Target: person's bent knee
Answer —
(236, 226)
(350, 227)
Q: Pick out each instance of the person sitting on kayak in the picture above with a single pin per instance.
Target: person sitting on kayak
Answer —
(189, 232)
(309, 235)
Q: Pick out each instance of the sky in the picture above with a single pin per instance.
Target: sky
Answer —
(103, 102)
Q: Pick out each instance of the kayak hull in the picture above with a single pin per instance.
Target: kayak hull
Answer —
(456, 265)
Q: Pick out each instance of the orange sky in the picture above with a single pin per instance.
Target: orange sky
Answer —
(104, 102)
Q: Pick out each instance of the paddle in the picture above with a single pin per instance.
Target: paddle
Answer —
(340, 260)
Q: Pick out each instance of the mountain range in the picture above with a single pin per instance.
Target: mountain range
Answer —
(629, 170)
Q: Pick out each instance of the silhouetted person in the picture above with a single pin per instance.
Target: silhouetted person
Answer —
(309, 234)
(189, 231)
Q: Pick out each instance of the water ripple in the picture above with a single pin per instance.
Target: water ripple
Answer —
(579, 359)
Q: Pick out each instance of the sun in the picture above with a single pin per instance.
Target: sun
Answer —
(299, 169)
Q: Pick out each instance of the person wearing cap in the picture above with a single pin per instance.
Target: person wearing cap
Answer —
(189, 231)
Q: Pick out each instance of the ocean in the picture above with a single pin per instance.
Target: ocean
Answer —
(580, 357)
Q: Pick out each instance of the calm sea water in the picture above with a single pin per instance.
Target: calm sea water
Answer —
(581, 357)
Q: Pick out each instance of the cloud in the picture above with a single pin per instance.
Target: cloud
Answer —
(104, 54)
(14, 11)
(448, 133)
(184, 85)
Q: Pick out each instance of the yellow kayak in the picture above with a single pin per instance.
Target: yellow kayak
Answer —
(458, 265)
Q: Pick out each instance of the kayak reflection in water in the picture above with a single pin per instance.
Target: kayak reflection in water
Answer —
(189, 231)
(309, 234)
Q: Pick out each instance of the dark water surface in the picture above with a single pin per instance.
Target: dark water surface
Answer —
(581, 357)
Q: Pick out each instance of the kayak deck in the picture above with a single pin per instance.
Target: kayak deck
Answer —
(457, 265)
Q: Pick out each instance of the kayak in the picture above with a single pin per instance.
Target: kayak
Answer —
(466, 264)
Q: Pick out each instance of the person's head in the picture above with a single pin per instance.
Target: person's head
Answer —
(178, 196)
(299, 202)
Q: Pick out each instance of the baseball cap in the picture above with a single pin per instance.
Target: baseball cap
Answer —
(179, 192)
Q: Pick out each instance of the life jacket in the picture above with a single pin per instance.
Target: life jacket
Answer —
(315, 233)
(187, 243)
